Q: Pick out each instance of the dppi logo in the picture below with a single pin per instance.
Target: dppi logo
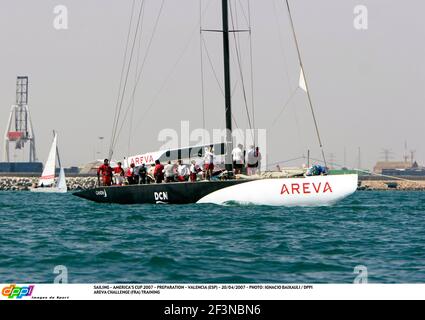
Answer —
(13, 291)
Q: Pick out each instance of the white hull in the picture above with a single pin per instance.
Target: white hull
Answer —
(308, 191)
(48, 190)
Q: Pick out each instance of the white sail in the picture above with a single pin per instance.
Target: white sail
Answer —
(62, 181)
(48, 176)
(302, 83)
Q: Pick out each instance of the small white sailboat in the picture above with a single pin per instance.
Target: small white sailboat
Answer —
(47, 182)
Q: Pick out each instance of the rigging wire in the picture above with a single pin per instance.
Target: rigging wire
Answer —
(172, 72)
(202, 69)
(218, 81)
(246, 16)
(130, 134)
(300, 133)
(214, 72)
(241, 71)
(122, 75)
(125, 82)
(252, 69)
(282, 47)
(212, 66)
(203, 45)
(284, 107)
(140, 72)
(285, 161)
(116, 135)
(164, 84)
(173, 69)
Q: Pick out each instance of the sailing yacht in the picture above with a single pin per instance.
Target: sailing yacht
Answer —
(46, 182)
(273, 190)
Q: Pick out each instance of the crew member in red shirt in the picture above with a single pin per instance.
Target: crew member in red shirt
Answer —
(119, 174)
(158, 172)
(131, 175)
(106, 171)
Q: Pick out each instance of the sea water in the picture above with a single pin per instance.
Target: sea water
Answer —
(101, 243)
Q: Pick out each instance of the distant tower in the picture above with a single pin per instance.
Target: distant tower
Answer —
(359, 158)
(19, 129)
(331, 158)
(387, 154)
(412, 156)
(405, 156)
(345, 157)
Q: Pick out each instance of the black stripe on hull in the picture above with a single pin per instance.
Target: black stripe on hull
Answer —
(172, 193)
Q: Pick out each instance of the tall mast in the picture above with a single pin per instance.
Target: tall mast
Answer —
(227, 86)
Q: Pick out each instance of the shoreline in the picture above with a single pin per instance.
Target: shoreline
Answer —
(388, 185)
(20, 183)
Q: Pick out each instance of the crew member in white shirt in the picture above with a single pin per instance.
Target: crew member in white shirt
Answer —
(182, 171)
(169, 172)
(238, 158)
(251, 161)
(194, 169)
(209, 163)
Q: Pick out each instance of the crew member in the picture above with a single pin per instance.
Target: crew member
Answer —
(169, 172)
(238, 158)
(131, 175)
(151, 177)
(252, 161)
(208, 163)
(158, 172)
(182, 171)
(119, 174)
(143, 172)
(317, 170)
(194, 169)
(105, 171)
(259, 158)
